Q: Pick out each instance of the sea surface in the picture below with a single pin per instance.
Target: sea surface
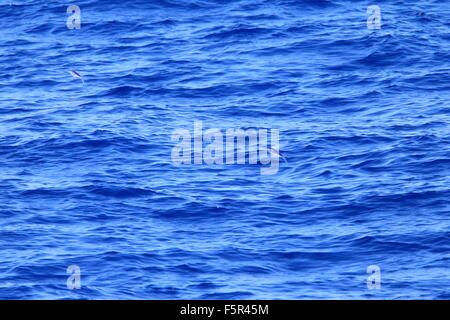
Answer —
(87, 177)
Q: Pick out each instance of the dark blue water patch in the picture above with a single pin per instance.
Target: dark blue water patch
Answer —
(88, 179)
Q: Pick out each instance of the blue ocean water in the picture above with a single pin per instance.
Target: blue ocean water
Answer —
(87, 177)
